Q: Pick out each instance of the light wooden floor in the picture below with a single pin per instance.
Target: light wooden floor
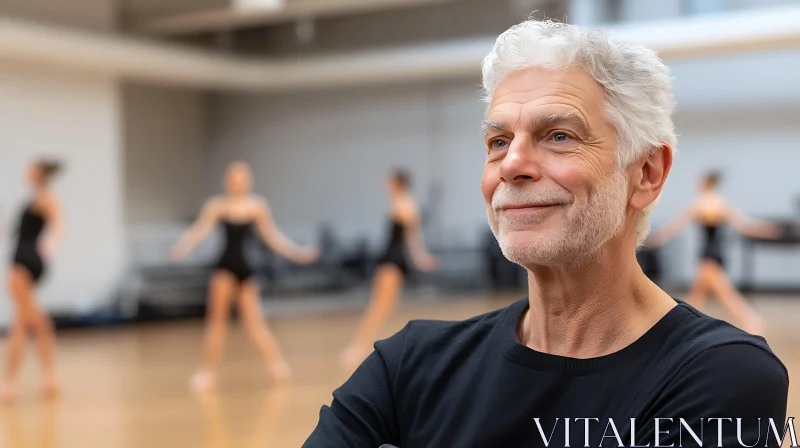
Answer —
(127, 387)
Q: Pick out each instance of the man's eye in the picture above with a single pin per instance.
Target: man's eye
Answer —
(498, 144)
(560, 137)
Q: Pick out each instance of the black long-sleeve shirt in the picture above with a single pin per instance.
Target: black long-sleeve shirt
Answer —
(472, 384)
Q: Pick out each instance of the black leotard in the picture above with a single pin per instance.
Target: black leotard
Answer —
(395, 250)
(27, 255)
(233, 259)
(712, 246)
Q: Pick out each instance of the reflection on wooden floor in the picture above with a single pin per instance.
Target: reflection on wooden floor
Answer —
(127, 387)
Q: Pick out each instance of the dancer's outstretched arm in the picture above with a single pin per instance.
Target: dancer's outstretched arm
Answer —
(277, 241)
(199, 230)
(673, 228)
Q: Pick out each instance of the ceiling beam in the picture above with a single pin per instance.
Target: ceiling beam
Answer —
(223, 19)
(150, 61)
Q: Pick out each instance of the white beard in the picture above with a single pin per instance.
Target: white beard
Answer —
(587, 228)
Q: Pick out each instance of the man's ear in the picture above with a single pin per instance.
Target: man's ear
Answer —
(649, 176)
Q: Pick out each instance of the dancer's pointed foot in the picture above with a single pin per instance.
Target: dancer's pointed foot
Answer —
(203, 381)
(280, 372)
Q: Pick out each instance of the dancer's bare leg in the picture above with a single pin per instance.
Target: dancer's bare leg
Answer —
(14, 350)
(260, 334)
(221, 289)
(700, 287)
(42, 327)
(734, 303)
(386, 291)
(28, 316)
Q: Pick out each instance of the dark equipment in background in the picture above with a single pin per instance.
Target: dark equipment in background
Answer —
(503, 274)
(788, 239)
(649, 262)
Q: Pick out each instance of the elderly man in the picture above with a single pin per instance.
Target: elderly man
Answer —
(579, 142)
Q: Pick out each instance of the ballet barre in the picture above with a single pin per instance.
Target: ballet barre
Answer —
(790, 236)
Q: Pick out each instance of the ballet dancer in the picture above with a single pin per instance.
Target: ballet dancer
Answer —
(711, 211)
(393, 267)
(239, 211)
(41, 216)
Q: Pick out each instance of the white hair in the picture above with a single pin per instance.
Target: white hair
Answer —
(637, 86)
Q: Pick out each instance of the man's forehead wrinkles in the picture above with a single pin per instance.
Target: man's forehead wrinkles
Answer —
(521, 104)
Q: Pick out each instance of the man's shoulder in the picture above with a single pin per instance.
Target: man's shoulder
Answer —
(428, 328)
(423, 337)
(699, 332)
(708, 367)
(702, 341)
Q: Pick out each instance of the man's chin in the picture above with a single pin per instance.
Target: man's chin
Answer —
(543, 250)
(529, 250)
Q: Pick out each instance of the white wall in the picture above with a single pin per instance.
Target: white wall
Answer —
(74, 118)
(457, 137)
(166, 153)
(641, 11)
(737, 82)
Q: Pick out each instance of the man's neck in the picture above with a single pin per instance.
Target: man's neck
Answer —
(591, 310)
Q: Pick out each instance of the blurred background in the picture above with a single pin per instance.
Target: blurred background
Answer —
(147, 101)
